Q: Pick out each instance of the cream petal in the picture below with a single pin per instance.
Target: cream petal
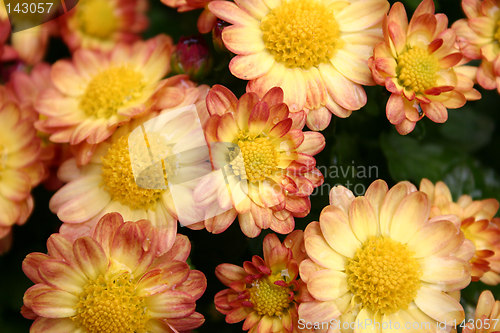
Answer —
(337, 231)
(443, 270)
(352, 63)
(367, 322)
(341, 197)
(362, 219)
(434, 237)
(83, 207)
(412, 213)
(318, 311)
(51, 325)
(391, 203)
(319, 251)
(361, 15)
(439, 305)
(257, 8)
(375, 194)
(326, 285)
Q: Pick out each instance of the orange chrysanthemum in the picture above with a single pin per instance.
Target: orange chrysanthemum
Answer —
(20, 166)
(479, 38)
(380, 260)
(315, 50)
(475, 220)
(206, 21)
(114, 281)
(264, 292)
(487, 316)
(108, 183)
(267, 160)
(25, 89)
(97, 92)
(102, 24)
(417, 63)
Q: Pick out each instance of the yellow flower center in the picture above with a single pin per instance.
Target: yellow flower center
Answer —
(109, 304)
(383, 275)
(260, 159)
(301, 33)
(110, 90)
(97, 18)
(269, 299)
(118, 178)
(417, 69)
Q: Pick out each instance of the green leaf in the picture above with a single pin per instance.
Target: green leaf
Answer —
(411, 159)
(468, 129)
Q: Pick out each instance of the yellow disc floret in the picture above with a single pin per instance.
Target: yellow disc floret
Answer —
(417, 69)
(301, 33)
(260, 158)
(109, 304)
(97, 18)
(110, 90)
(118, 178)
(269, 299)
(383, 275)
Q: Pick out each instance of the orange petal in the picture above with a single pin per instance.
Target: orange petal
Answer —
(231, 13)
(55, 304)
(90, 257)
(220, 100)
(243, 40)
(252, 66)
(435, 111)
(343, 91)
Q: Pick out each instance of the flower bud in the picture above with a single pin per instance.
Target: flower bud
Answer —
(192, 57)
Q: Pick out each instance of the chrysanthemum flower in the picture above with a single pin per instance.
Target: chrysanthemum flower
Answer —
(478, 38)
(206, 21)
(264, 292)
(107, 183)
(270, 168)
(97, 92)
(487, 316)
(315, 50)
(416, 64)
(475, 220)
(113, 281)
(25, 89)
(20, 167)
(101, 24)
(380, 259)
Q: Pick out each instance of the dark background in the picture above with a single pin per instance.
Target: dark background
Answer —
(464, 153)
